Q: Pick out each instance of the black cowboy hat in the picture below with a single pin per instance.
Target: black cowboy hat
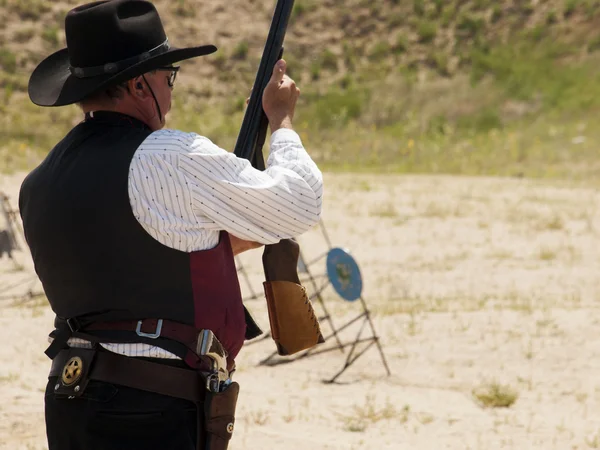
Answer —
(107, 42)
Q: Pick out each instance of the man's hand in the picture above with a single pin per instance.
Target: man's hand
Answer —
(279, 98)
(240, 245)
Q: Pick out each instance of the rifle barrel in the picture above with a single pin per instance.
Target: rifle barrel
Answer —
(254, 126)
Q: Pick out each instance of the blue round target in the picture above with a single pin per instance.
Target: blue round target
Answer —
(344, 274)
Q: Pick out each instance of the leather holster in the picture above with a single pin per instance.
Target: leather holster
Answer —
(219, 417)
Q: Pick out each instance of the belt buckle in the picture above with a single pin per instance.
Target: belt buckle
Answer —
(154, 335)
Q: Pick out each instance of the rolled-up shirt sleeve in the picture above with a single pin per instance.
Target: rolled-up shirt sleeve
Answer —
(218, 191)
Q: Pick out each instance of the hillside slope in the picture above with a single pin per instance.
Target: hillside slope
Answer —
(327, 39)
(432, 65)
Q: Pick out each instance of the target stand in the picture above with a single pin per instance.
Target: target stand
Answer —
(10, 234)
(343, 274)
(8, 227)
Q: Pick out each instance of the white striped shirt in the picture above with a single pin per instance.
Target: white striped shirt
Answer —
(183, 190)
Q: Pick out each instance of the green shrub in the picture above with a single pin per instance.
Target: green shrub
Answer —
(483, 121)
(375, 9)
(594, 44)
(419, 7)
(220, 60)
(8, 60)
(591, 9)
(184, 8)
(570, 7)
(240, 51)
(470, 25)
(527, 9)
(315, 71)
(299, 10)
(379, 51)
(427, 31)
(448, 14)
(349, 55)
(537, 33)
(440, 62)
(336, 107)
(481, 4)
(24, 34)
(496, 13)
(530, 71)
(438, 124)
(346, 81)
(302, 7)
(8, 92)
(30, 9)
(50, 35)
(329, 60)
(401, 44)
(235, 105)
(551, 17)
(396, 20)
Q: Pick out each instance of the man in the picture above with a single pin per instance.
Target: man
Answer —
(133, 230)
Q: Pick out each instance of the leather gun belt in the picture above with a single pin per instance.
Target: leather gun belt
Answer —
(131, 372)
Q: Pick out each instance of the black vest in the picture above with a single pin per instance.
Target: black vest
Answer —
(93, 257)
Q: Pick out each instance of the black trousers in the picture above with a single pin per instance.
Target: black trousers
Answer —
(113, 417)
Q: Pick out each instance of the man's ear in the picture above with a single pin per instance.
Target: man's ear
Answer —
(137, 87)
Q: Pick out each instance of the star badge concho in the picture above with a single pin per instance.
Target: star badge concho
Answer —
(72, 371)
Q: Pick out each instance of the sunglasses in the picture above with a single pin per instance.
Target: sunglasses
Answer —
(172, 76)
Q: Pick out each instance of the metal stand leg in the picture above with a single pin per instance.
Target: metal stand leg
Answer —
(244, 273)
(374, 339)
(317, 293)
(354, 354)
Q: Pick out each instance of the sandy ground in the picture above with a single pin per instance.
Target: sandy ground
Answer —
(472, 283)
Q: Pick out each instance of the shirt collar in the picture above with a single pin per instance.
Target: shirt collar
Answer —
(115, 118)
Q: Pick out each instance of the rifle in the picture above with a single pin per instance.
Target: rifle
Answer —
(294, 326)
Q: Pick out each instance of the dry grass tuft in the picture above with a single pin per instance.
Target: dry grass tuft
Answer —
(547, 254)
(593, 441)
(495, 395)
(364, 415)
(385, 211)
(259, 417)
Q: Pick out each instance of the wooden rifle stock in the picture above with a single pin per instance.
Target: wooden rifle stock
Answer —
(294, 326)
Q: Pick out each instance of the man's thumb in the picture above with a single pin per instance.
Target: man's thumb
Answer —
(279, 70)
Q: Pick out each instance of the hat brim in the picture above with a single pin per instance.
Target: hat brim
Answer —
(52, 84)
